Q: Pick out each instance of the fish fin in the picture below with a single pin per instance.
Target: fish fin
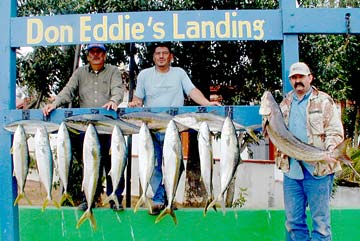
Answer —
(56, 204)
(44, 204)
(73, 130)
(139, 202)
(67, 196)
(88, 214)
(112, 197)
(166, 211)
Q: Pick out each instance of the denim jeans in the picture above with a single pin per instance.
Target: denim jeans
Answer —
(312, 192)
(156, 180)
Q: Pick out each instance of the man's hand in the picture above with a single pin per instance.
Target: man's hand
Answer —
(135, 103)
(48, 108)
(111, 105)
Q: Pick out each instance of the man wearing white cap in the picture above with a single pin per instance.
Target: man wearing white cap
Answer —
(312, 116)
(98, 85)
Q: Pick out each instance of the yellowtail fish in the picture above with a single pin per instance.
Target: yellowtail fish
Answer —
(118, 154)
(103, 124)
(229, 160)
(30, 126)
(172, 168)
(206, 162)
(44, 161)
(146, 157)
(20, 153)
(91, 159)
(155, 121)
(64, 156)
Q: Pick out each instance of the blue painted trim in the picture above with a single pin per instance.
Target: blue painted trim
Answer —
(9, 215)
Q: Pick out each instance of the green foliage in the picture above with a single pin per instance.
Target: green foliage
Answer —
(240, 202)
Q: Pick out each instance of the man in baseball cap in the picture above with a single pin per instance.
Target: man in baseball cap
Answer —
(299, 68)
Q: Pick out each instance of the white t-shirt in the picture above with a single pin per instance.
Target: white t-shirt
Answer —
(163, 89)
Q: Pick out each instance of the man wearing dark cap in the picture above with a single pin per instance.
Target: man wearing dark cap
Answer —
(98, 85)
(164, 86)
(312, 116)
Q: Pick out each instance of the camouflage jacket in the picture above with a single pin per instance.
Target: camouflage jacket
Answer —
(324, 129)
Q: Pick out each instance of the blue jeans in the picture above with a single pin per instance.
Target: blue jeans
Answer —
(156, 180)
(312, 192)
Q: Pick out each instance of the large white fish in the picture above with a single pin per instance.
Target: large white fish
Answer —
(64, 156)
(118, 154)
(172, 167)
(274, 126)
(206, 161)
(91, 159)
(229, 159)
(146, 157)
(44, 161)
(20, 153)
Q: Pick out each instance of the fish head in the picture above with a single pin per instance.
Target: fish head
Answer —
(266, 104)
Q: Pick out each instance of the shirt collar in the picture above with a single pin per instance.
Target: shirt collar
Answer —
(306, 96)
(93, 71)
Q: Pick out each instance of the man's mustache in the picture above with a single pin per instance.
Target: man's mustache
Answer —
(298, 83)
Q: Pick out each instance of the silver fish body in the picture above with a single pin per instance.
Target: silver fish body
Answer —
(118, 154)
(206, 161)
(91, 160)
(155, 121)
(64, 157)
(103, 124)
(215, 122)
(172, 167)
(229, 159)
(44, 161)
(146, 157)
(30, 126)
(21, 159)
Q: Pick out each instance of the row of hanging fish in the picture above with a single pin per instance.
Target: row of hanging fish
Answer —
(173, 165)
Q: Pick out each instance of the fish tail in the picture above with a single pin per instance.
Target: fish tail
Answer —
(20, 196)
(56, 204)
(88, 214)
(139, 203)
(223, 205)
(166, 211)
(45, 204)
(340, 152)
(112, 197)
(212, 204)
(207, 205)
(252, 134)
(66, 196)
(27, 199)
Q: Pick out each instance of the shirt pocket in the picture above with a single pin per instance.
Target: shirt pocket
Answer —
(316, 122)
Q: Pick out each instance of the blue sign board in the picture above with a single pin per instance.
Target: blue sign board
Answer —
(147, 27)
